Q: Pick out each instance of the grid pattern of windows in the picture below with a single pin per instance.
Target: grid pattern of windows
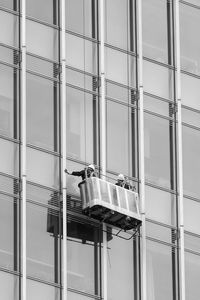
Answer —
(44, 80)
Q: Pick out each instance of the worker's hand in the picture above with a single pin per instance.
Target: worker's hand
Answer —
(66, 171)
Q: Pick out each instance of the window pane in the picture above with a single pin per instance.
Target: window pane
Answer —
(9, 157)
(41, 291)
(9, 286)
(81, 54)
(120, 269)
(79, 16)
(189, 24)
(119, 138)
(158, 80)
(190, 91)
(8, 3)
(157, 155)
(6, 232)
(41, 112)
(40, 260)
(82, 252)
(80, 125)
(155, 30)
(42, 9)
(192, 273)
(191, 215)
(7, 101)
(9, 29)
(159, 271)
(191, 162)
(116, 66)
(160, 206)
(116, 23)
(42, 168)
(42, 40)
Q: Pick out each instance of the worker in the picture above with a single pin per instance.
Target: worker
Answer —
(121, 181)
(85, 173)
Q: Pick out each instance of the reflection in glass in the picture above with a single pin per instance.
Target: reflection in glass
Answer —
(79, 125)
(42, 40)
(191, 162)
(116, 23)
(159, 272)
(157, 151)
(190, 45)
(192, 273)
(41, 112)
(155, 30)
(41, 291)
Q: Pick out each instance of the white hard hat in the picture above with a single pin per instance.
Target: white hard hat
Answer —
(91, 167)
(121, 177)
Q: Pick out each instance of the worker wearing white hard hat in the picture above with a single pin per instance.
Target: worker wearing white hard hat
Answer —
(85, 173)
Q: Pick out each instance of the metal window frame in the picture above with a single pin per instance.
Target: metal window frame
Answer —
(141, 154)
(180, 154)
(23, 143)
(64, 149)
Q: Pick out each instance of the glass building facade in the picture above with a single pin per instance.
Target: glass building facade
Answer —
(113, 83)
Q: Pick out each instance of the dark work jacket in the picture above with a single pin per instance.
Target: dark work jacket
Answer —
(82, 173)
(125, 186)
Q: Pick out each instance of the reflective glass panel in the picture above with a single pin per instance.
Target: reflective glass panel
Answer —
(190, 45)
(80, 124)
(117, 23)
(190, 87)
(9, 29)
(42, 107)
(190, 117)
(191, 215)
(6, 100)
(192, 273)
(191, 162)
(44, 10)
(159, 271)
(9, 285)
(6, 231)
(42, 40)
(158, 80)
(157, 154)
(42, 246)
(9, 157)
(160, 206)
(79, 16)
(42, 168)
(155, 30)
(118, 138)
(8, 3)
(82, 252)
(41, 291)
(116, 66)
(120, 269)
(81, 54)
(158, 106)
